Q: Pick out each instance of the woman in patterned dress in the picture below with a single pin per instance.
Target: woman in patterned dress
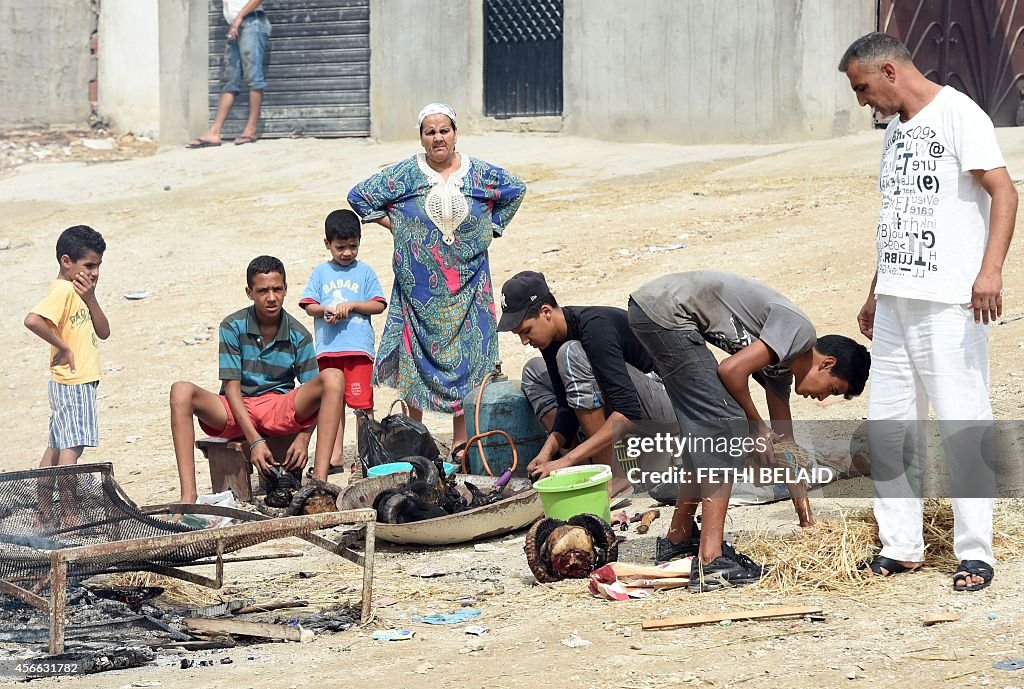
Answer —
(443, 208)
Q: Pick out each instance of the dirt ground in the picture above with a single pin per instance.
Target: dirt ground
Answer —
(182, 225)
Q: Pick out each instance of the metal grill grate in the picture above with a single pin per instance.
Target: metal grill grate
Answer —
(523, 57)
(524, 21)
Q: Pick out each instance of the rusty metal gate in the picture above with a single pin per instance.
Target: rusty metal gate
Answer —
(522, 57)
(974, 46)
(318, 76)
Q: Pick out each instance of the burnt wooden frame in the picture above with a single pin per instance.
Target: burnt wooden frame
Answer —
(133, 554)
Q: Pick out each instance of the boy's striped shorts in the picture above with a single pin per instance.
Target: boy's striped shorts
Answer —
(73, 420)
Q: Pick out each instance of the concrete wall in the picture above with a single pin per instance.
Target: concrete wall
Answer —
(129, 65)
(45, 61)
(710, 70)
(826, 29)
(184, 65)
(421, 52)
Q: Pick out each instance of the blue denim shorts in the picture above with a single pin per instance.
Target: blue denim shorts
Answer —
(247, 55)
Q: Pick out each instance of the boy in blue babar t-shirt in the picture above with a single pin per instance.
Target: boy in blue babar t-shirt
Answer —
(341, 295)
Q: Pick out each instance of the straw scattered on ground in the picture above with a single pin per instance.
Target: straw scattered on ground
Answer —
(825, 556)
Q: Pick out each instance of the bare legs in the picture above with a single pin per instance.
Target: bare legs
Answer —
(325, 393)
(188, 400)
(715, 504)
(227, 101)
(66, 487)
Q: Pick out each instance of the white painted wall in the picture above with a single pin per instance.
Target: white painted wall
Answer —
(129, 65)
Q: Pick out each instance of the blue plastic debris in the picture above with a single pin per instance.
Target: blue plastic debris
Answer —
(464, 615)
(393, 635)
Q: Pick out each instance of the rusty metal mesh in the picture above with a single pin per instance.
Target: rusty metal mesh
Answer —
(57, 508)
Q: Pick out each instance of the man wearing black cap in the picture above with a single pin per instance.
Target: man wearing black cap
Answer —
(592, 376)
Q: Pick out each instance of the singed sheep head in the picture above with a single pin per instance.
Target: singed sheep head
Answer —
(557, 550)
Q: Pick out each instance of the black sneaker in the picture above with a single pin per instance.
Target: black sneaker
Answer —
(664, 493)
(665, 550)
(729, 569)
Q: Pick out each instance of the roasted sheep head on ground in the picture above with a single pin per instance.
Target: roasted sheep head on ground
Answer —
(314, 498)
(559, 550)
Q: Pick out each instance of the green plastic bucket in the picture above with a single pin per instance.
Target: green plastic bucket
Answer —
(576, 490)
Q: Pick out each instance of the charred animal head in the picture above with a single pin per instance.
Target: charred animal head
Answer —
(403, 505)
(314, 497)
(557, 550)
(281, 487)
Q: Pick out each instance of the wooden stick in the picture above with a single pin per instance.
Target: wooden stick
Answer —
(645, 520)
(694, 620)
(929, 620)
(267, 607)
(260, 629)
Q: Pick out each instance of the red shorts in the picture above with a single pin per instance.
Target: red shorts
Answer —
(358, 370)
(273, 415)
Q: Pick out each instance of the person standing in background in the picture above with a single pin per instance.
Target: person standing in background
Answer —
(244, 55)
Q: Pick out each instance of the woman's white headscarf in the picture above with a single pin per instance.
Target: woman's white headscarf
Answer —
(435, 109)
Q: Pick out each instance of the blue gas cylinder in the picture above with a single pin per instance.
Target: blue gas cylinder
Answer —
(503, 406)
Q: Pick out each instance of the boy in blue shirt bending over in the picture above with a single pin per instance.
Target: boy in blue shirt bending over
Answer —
(341, 295)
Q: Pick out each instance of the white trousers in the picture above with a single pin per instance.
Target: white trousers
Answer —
(925, 352)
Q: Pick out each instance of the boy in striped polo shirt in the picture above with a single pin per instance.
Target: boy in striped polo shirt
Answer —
(70, 320)
(263, 350)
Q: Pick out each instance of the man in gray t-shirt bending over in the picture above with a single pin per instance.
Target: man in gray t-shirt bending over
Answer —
(768, 338)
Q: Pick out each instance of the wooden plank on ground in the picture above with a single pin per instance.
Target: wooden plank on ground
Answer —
(694, 620)
(260, 629)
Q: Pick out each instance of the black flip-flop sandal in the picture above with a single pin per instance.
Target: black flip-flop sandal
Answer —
(330, 472)
(976, 568)
(880, 562)
(457, 454)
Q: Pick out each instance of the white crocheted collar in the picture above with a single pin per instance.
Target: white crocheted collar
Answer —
(435, 177)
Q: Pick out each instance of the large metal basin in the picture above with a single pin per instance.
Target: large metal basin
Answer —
(517, 511)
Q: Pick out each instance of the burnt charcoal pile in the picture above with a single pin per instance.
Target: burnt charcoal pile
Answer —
(116, 627)
(100, 615)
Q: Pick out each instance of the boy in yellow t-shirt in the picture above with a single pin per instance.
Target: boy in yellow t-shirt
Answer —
(70, 319)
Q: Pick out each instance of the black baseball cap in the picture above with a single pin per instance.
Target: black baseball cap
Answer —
(518, 294)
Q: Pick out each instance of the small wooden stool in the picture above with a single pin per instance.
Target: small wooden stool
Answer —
(230, 467)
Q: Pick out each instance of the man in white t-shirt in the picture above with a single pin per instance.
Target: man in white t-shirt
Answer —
(245, 55)
(948, 213)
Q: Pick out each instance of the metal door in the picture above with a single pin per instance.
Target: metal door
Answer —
(318, 77)
(974, 46)
(522, 57)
